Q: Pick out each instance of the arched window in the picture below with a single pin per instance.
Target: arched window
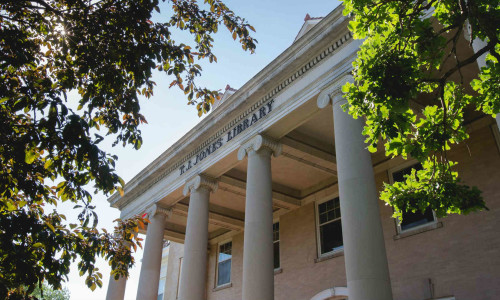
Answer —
(335, 293)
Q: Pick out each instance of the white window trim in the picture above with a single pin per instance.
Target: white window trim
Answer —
(179, 278)
(408, 163)
(279, 242)
(318, 235)
(227, 284)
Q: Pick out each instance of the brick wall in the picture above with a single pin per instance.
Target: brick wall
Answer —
(462, 258)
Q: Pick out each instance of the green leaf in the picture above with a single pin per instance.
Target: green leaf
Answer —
(50, 226)
(37, 245)
(30, 155)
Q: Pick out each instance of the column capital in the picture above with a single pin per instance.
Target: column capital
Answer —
(333, 94)
(159, 209)
(200, 181)
(258, 142)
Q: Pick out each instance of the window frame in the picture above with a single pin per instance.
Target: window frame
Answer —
(179, 277)
(279, 245)
(318, 233)
(390, 172)
(217, 264)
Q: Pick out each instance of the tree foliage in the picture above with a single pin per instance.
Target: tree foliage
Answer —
(45, 292)
(412, 85)
(104, 52)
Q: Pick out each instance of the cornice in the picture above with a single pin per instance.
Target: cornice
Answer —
(133, 189)
(200, 181)
(257, 143)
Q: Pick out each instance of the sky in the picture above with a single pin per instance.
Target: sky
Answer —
(277, 23)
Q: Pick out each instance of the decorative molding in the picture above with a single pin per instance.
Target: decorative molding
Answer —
(333, 95)
(301, 71)
(337, 96)
(159, 209)
(255, 107)
(200, 181)
(324, 99)
(258, 142)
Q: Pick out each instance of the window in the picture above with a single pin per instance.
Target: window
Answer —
(276, 245)
(224, 264)
(412, 220)
(161, 289)
(329, 227)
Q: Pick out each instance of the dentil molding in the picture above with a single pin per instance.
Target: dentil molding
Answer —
(304, 69)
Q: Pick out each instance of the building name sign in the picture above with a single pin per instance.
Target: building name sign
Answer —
(231, 133)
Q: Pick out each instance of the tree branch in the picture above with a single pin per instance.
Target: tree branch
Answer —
(471, 59)
(48, 7)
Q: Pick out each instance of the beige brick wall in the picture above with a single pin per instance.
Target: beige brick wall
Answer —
(173, 266)
(233, 292)
(462, 258)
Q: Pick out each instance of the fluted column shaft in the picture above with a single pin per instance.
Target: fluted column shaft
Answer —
(194, 266)
(258, 267)
(151, 260)
(364, 249)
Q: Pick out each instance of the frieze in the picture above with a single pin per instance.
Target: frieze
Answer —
(252, 110)
(233, 132)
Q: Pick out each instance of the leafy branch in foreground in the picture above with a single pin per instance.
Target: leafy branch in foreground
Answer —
(104, 53)
(38, 246)
(47, 293)
(413, 83)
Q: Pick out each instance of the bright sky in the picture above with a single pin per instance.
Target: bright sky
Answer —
(277, 22)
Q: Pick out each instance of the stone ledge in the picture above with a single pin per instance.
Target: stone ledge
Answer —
(222, 287)
(278, 271)
(415, 231)
(330, 256)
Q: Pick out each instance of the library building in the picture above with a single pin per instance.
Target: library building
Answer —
(274, 195)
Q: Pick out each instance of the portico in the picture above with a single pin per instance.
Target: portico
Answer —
(272, 152)
(239, 152)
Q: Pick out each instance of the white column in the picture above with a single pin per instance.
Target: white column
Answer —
(258, 267)
(364, 249)
(194, 265)
(477, 45)
(116, 288)
(151, 260)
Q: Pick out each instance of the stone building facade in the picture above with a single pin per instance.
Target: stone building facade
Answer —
(274, 196)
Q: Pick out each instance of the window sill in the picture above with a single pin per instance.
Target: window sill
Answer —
(411, 232)
(222, 287)
(278, 271)
(330, 255)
